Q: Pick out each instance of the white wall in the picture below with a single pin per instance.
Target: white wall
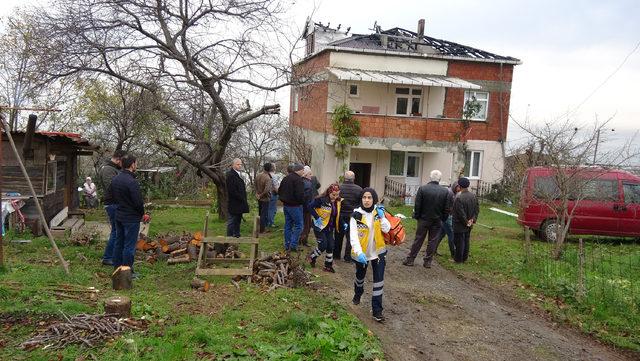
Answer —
(388, 63)
(492, 164)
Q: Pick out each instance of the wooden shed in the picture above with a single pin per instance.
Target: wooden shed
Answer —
(51, 160)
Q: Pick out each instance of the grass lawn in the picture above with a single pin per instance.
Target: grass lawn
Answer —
(224, 323)
(610, 307)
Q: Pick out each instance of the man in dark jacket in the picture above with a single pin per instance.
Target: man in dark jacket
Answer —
(263, 186)
(236, 198)
(350, 194)
(126, 194)
(307, 180)
(108, 171)
(465, 214)
(432, 206)
(291, 194)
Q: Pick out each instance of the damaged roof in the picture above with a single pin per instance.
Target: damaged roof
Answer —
(74, 139)
(402, 40)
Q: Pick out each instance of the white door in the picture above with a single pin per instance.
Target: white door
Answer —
(413, 175)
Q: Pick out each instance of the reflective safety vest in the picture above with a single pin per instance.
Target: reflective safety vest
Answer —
(363, 233)
(324, 212)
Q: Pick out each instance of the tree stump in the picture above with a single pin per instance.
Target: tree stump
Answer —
(119, 305)
(200, 285)
(121, 278)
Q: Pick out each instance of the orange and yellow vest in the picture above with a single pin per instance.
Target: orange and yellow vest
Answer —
(363, 234)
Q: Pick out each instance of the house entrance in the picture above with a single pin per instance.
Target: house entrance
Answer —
(413, 175)
(363, 173)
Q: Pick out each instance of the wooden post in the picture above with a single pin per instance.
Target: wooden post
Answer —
(43, 221)
(121, 278)
(256, 227)
(581, 292)
(527, 244)
(118, 305)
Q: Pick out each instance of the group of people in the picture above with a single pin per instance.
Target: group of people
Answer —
(348, 211)
(124, 206)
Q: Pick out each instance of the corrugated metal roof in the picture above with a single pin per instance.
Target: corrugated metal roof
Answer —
(402, 78)
(74, 138)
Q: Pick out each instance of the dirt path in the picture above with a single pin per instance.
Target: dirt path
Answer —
(432, 314)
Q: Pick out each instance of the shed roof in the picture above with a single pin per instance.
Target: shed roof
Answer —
(73, 139)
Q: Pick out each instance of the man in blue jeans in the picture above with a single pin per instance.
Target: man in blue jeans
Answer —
(108, 171)
(127, 195)
(291, 193)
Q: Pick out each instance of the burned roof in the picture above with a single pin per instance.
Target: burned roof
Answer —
(402, 40)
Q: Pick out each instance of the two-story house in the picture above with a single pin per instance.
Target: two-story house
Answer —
(408, 92)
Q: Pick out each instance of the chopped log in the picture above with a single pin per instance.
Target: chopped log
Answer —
(176, 246)
(149, 246)
(192, 251)
(161, 255)
(180, 259)
(152, 258)
(119, 305)
(200, 285)
(121, 278)
(140, 244)
(172, 239)
(179, 252)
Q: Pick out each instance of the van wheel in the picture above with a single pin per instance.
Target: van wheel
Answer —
(548, 230)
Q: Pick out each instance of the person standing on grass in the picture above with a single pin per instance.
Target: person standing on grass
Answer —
(431, 208)
(350, 195)
(126, 194)
(465, 214)
(325, 211)
(273, 201)
(236, 198)
(447, 227)
(291, 194)
(264, 185)
(108, 171)
(306, 214)
(367, 225)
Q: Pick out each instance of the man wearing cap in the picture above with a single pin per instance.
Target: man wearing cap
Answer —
(432, 206)
(465, 214)
(291, 193)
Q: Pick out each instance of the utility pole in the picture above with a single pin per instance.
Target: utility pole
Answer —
(595, 151)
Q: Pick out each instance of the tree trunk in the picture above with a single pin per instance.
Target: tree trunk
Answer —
(223, 201)
(121, 278)
(118, 305)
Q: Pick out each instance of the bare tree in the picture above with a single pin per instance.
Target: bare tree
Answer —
(218, 51)
(568, 150)
(298, 148)
(22, 81)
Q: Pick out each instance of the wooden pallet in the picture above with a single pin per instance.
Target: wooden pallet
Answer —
(201, 269)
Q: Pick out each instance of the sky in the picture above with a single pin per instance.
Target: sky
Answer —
(578, 56)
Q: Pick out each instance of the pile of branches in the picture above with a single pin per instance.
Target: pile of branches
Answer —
(280, 270)
(181, 249)
(88, 330)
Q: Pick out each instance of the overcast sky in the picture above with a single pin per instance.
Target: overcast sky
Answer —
(568, 49)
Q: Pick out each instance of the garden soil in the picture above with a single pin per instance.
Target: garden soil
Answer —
(435, 314)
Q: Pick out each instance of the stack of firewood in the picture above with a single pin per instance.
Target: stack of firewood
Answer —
(279, 270)
(180, 249)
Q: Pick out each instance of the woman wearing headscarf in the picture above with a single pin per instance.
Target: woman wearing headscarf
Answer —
(325, 211)
(90, 193)
(367, 224)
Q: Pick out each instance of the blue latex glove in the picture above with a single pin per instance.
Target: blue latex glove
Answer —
(345, 226)
(362, 258)
(380, 209)
(318, 223)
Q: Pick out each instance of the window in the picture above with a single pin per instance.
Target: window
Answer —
(600, 190)
(396, 166)
(295, 100)
(408, 101)
(482, 99)
(472, 163)
(354, 91)
(52, 176)
(545, 188)
(631, 193)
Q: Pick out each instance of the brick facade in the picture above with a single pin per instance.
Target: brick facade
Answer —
(312, 106)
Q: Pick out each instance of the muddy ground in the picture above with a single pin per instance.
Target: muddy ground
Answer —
(435, 314)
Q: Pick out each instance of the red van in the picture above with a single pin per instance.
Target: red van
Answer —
(610, 204)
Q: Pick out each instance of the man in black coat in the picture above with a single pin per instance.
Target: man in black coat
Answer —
(350, 194)
(432, 206)
(291, 193)
(465, 214)
(109, 171)
(126, 194)
(236, 198)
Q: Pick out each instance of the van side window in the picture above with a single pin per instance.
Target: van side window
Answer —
(545, 188)
(631, 193)
(601, 190)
